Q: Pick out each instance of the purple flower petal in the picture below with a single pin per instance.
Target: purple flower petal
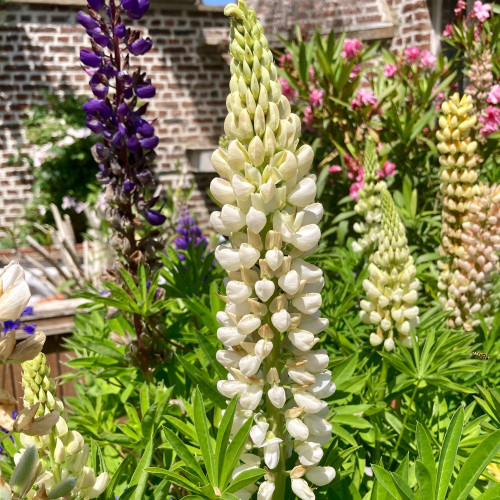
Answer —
(123, 109)
(90, 59)
(99, 37)
(149, 142)
(28, 311)
(86, 21)
(96, 4)
(155, 218)
(30, 329)
(128, 186)
(130, 4)
(146, 92)
(140, 46)
(133, 144)
(120, 30)
(95, 125)
(145, 129)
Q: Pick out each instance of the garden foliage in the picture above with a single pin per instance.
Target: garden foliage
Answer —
(196, 366)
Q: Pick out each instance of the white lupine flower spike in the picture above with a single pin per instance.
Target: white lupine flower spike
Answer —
(271, 321)
(369, 202)
(392, 286)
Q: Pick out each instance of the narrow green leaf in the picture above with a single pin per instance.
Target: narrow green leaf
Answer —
(425, 453)
(184, 454)
(386, 480)
(244, 479)
(233, 453)
(117, 478)
(481, 456)
(492, 493)
(424, 480)
(174, 478)
(203, 433)
(140, 476)
(223, 435)
(403, 487)
(448, 453)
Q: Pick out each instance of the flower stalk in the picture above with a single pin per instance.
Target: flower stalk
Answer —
(271, 320)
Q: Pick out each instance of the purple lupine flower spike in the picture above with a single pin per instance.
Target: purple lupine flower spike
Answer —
(126, 149)
(188, 232)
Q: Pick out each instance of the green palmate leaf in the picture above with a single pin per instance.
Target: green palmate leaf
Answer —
(184, 454)
(233, 453)
(203, 434)
(244, 479)
(474, 466)
(223, 436)
(448, 453)
(386, 480)
(425, 453)
(424, 481)
(175, 478)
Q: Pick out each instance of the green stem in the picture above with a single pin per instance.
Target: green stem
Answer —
(379, 396)
(405, 421)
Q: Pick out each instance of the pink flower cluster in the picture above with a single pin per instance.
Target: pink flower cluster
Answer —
(388, 169)
(364, 98)
(351, 48)
(413, 54)
(308, 116)
(490, 118)
(390, 70)
(287, 90)
(481, 11)
(316, 98)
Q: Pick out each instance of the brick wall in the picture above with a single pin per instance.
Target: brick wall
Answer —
(39, 52)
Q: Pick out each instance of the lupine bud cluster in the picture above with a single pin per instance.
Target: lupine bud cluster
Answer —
(459, 173)
(271, 320)
(470, 292)
(392, 286)
(66, 452)
(368, 204)
(188, 232)
(481, 79)
(117, 112)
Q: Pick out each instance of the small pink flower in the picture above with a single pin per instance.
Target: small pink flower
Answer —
(287, 90)
(355, 71)
(494, 95)
(389, 168)
(316, 98)
(390, 70)
(351, 48)
(448, 31)
(285, 58)
(490, 119)
(308, 116)
(355, 104)
(334, 169)
(354, 188)
(428, 59)
(461, 5)
(481, 11)
(412, 53)
(366, 96)
(311, 72)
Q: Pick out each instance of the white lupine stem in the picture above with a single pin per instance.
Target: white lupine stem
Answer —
(392, 286)
(271, 319)
(369, 202)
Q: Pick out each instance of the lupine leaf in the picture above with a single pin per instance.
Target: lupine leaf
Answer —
(386, 480)
(244, 479)
(424, 480)
(203, 434)
(175, 478)
(425, 453)
(223, 435)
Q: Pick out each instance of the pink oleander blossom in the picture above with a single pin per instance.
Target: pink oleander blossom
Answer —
(494, 95)
(481, 11)
(461, 5)
(311, 72)
(412, 53)
(354, 188)
(334, 169)
(316, 98)
(388, 169)
(448, 31)
(390, 70)
(428, 59)
(351, 48)
(308, 116)
(355, 71)
(287, 90)
(490, 119)
(363, 97)
(285, 58)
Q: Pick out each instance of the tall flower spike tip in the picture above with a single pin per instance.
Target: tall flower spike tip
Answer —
(392, 286)
(459, 173)
(65, 452)
(368, 205)
(271, 320)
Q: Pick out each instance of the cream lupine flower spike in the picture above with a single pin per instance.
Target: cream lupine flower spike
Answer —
(271, 320)
(369, 201)
(392, 286)
(67, 453)
(459, 173)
